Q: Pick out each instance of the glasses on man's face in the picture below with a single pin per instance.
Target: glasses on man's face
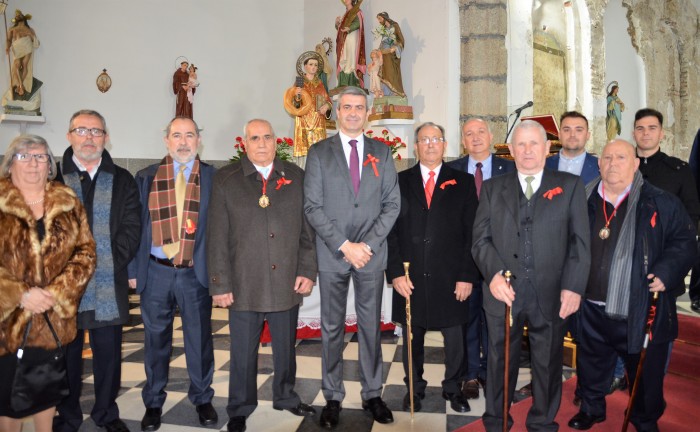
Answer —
(83, 131)
(428, 140)
(26, 157)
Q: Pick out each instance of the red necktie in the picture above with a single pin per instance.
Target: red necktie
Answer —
(354, 166)
(478, 178)
(430, 187)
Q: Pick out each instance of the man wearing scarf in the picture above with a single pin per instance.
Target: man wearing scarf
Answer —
(111, 201)
(170, 271)
(642, 241)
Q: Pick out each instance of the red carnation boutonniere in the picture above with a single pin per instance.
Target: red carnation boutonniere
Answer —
(282, 182)
(553, 192)
(444, 184)
(653, 220)
(373, 160)
(190, 227)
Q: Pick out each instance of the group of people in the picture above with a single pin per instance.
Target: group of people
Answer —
(255, 236)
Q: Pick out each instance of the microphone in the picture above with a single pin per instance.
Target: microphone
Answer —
(527, 105)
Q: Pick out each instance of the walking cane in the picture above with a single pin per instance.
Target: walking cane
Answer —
(409, 337)
(508, 322)
(642, 356)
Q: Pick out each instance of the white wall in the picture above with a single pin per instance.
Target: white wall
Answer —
(246, 53)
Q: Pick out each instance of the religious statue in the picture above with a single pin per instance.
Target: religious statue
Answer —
(350, 46)
(327, 70)
(391, 47)
(182, 88)
(23, 96)
(373, 70)
(613, 120)
(309, 103)
(192, 82)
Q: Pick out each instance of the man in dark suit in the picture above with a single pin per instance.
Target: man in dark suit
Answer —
(572, 157)
(170, 270)
(482, 164)
(434, 234)
(111, 200)
(352, 200)
(262, 261)
(532, 222)
(642, 241)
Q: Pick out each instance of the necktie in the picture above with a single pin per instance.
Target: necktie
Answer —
(180, 187)
(478, 178)
(354, 166)
(528, 190)
(430, 187)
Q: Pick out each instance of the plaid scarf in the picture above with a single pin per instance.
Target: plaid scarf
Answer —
(161, 205)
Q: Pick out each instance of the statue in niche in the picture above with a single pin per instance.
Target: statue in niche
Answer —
(350, 46)
(613, 120)
(391, 47)
(23, 96)
(181, 88)
(309, 103)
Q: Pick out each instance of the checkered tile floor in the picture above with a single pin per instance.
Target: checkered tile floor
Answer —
(179, 414)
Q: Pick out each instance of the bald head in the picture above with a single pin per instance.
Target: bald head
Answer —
(618, 163)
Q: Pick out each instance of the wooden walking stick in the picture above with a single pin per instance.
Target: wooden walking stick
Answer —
(642, 356)
(508, 323)
(409, 337)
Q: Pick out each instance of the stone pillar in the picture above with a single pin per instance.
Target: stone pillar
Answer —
(484, 62)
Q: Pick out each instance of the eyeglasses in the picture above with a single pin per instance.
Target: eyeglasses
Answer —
(26, 157)
(83, 131)
(434, 140)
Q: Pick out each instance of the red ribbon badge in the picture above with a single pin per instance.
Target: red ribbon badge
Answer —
(281, 182)
(373, 160)
(553, 192)
(448, 183)
(190, 227)
(653, 220)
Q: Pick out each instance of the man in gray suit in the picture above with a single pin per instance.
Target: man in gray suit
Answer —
(352, 201)
(532, 222)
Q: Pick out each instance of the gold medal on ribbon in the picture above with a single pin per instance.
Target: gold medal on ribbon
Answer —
(604, 233)
(264, 201)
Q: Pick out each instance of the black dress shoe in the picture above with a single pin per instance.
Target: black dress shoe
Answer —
(236, 424)
(457, 401)
(380, 412)
(330, 415)
(151, 420)
(583, 421)
(116, 425)
(470, 389)
(417, 405)
(302, 410)
(618, 384)
(695, 305)
(207, 414)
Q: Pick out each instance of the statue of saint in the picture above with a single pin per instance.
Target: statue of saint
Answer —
(181, 88)
(309, 104)
(391, 47)
(21, 42)
(350, 46)
(613, 120)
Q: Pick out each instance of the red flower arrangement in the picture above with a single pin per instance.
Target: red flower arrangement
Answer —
(284, 149)
(394, 143)
(553, 192)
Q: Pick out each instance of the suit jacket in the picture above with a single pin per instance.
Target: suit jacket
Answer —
(498, 165)
(437, 242)
(138, 268)
(561, 241)
(253, 252)
(334, 211)
(589, 172)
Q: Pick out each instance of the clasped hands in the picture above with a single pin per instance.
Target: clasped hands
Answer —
(37, 300)
(502, 291)
(357, 254)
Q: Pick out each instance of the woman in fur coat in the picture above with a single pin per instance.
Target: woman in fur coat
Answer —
(47, 257)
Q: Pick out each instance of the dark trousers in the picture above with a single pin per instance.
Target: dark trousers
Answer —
(166, 289)
(245, 329)
(454, 358)
(694, 287)
(106, 345)
(476, 336)
(546, 348)
(602, 341)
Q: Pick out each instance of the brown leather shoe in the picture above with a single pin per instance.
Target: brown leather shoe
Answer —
(470, 389)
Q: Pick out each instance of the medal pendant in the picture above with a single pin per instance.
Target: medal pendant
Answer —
(264, 201)
(604, 233)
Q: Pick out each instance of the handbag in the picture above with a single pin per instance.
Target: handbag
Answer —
(39, 384)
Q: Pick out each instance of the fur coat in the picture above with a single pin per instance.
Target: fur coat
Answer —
(62, 263)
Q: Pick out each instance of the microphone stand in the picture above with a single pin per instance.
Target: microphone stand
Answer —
(518, 111)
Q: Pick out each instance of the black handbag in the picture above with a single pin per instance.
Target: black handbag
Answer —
(39, 384)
